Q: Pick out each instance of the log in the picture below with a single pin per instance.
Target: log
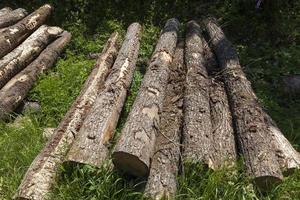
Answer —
(12, 17)
(15, 91)
(197, 128)
(162, 183)
(41, 174)
(5, 10)
(287, 156)
(19, 58)
(252, 131)
(48, 132)
(91, 145)
(135, 147)
(224, 149)
(12, 36)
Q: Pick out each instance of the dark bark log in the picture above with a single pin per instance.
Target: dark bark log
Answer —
(14, 92)
(5, 10)
(288, 157)
(41, 174)
(91, 145)
(19, 58)
(164, 167)
(197, 130)
(252, 131)
(12, 17)
(12, 36)
(224, 149)
(136, 144)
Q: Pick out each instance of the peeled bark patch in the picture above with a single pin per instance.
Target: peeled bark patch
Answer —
(12, 17)
(164, 167)
(224, 149)
(91, 145)
(12, 36)
(252, 131)
(197, 130)
(5, 10)
(41, 174)
(136, 144)
(19, 58)
(288, 157)
(14, 92)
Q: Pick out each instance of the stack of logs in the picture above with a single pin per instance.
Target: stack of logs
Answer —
(27, 49)
(194, 104)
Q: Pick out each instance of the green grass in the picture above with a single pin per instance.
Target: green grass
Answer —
(268, 47)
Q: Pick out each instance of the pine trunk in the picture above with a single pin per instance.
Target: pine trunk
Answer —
(41, 174)
(252, 131)
(197, 128)
(136, 144)
(19, 58)
(91, 145)
(12, 17)
(12, 36)
(224, 149)
(164, 167)
(288, 157)
(14, 92)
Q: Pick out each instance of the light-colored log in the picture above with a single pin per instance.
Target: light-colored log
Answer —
(136, 144)
(40, 176)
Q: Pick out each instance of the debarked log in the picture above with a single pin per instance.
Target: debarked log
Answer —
(19, 58)
(91, 145)
(41, 174)
(135, 147)
(252, 131)
(162, 180)
(5, 10)
(14, 92)
(12, 17)
(197, 128)
(12, 36)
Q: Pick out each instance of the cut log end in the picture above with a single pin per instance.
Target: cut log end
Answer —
(266, 183)
(130, 164)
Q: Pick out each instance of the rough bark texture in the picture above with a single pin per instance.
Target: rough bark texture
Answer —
(5, 10)
(41, 174)
(12, 17)
(19, 58)
(14, 35)
(197, 130)
(48, 133)
(136, 144)
(224, 149)
(91, 145)
(288, 157)
(252, 131)
(164, 167)
(14, 92)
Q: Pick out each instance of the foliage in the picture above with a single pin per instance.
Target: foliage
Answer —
(267, 41)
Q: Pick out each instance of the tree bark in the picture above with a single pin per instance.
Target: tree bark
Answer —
(91, 145)
(252, 131)
(164, 167)
(14, 92)
(12, 17)
(197, 129)
(19, 58)
(224, 149)
(5, 10)
(287, 156)
(12, 36)
(136, 144)
(41, 174)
